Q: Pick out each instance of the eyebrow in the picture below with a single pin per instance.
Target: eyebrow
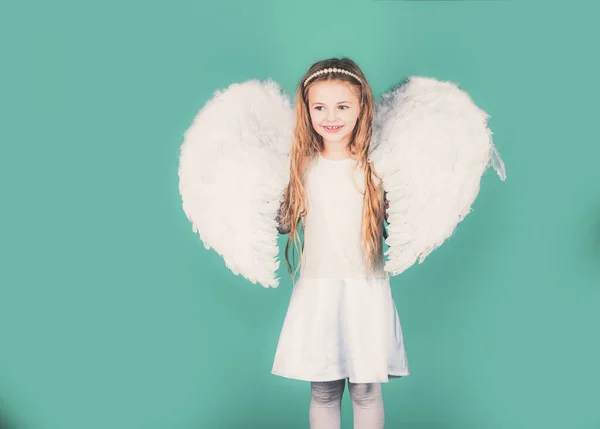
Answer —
(341, 102)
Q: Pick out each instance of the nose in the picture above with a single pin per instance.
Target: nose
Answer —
(331, 115)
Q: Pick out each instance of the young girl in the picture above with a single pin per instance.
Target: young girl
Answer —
(342, 322)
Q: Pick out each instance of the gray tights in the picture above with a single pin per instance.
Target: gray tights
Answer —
(326, 401)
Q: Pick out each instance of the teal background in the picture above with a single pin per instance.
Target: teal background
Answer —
(112, 313)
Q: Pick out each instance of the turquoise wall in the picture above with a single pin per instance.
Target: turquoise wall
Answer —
(112, 313)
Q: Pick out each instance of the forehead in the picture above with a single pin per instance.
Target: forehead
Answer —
(330, 92)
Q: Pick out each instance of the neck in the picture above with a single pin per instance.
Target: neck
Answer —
(336, 150)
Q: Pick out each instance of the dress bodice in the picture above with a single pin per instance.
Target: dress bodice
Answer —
(332, 227)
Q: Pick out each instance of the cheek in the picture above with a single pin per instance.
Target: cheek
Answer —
(316, 118)
(350, 118)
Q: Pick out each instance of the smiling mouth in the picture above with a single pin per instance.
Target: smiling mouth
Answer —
(333, 128)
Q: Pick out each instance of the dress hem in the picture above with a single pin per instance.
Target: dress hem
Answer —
(340, 377)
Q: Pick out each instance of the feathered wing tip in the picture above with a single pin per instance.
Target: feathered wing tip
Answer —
(233, 169)
(431, 146)
(497, 163)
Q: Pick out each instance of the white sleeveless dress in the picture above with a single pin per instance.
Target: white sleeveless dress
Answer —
(342, 321)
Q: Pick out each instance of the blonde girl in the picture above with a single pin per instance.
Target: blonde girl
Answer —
(342, 323)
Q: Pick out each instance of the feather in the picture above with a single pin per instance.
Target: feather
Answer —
(233, 169)
(431, 145)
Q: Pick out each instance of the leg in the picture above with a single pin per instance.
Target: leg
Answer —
(367, 404)
(325, 404)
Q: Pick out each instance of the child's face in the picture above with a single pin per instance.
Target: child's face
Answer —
(333, 104)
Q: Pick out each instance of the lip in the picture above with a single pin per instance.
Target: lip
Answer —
(333, 131)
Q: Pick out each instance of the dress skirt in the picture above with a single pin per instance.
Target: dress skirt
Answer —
(341, 328)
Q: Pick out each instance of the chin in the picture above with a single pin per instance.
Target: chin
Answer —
(335, 138)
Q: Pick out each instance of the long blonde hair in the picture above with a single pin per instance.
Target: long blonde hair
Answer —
(308, 144)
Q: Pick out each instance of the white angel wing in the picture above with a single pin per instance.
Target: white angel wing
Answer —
(431, 146)
(233, 169)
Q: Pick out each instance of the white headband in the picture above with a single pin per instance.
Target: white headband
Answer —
(330, 70)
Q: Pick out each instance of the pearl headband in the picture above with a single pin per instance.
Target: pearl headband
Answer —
(330, 70)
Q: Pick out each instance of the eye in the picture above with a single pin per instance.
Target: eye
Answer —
(319, 107)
